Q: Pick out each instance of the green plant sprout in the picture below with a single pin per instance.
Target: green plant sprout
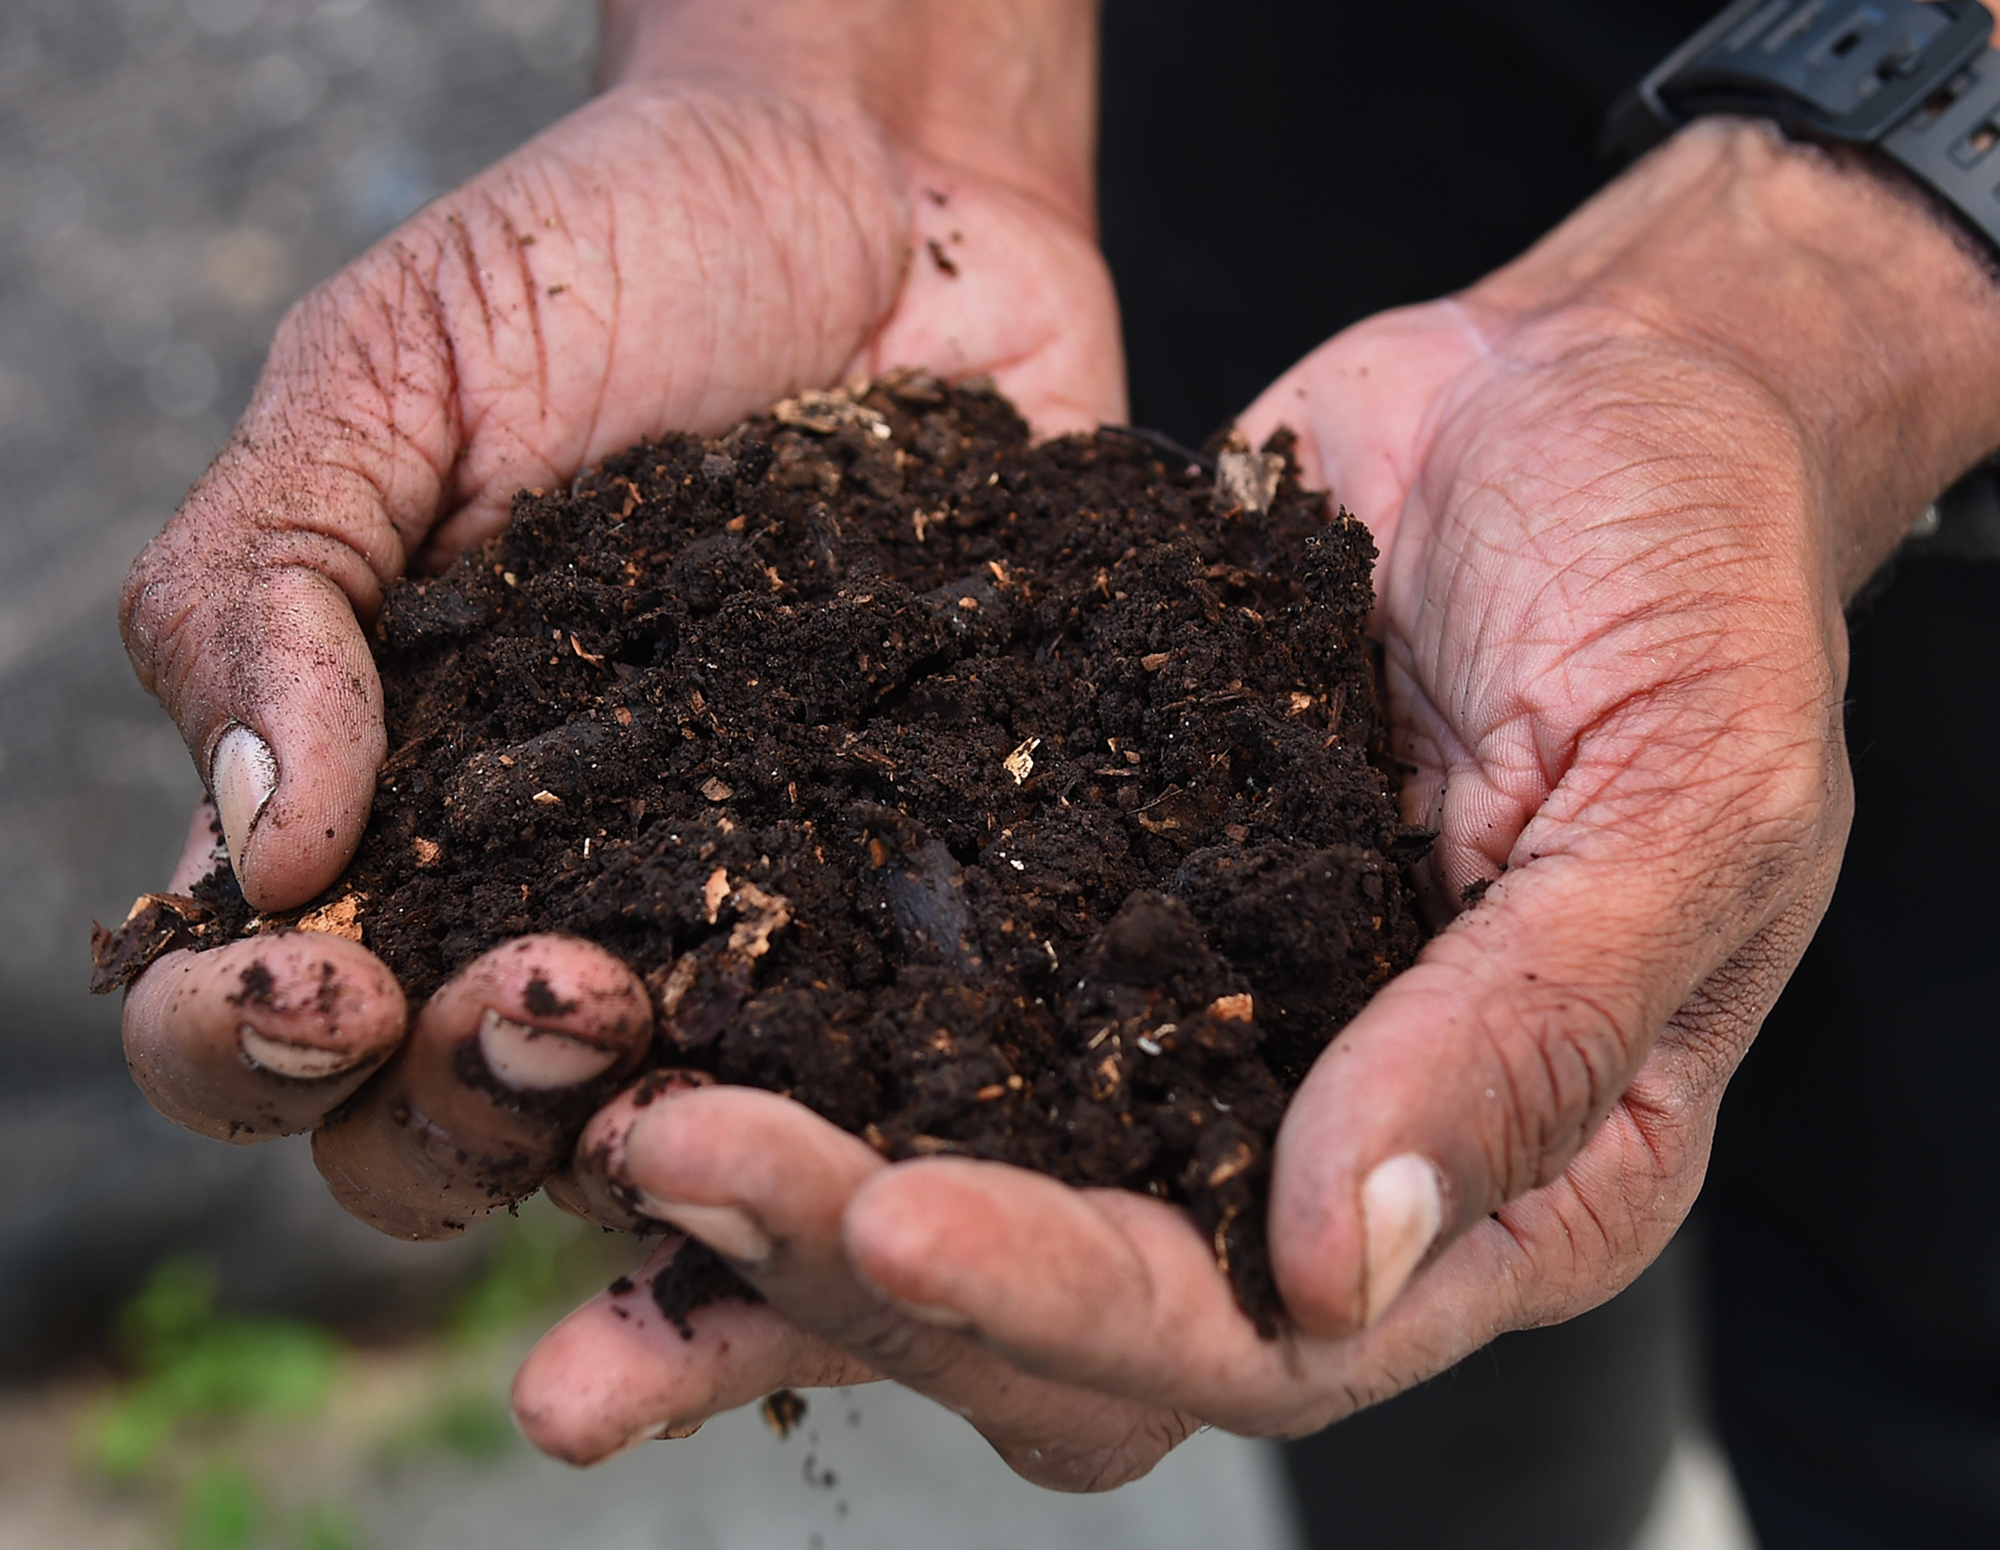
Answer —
(192, 1363)
(222, 1509)
(187, 1428)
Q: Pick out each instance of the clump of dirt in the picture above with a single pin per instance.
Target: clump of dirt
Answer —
(1020, 801)
(695, 1277)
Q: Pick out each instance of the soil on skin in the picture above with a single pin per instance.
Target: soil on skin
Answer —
(1024, 802)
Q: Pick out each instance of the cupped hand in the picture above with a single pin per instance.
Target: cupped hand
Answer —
(670, 257)
(1620, 491)
(681, 251)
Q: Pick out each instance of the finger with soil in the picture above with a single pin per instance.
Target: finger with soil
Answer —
(618, 1372)
(587, 1184)
(498, 1077)
(263, 664)
(765, 1183)
(1100, 1287)
(263, 1037)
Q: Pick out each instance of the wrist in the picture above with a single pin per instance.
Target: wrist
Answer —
(1002, 90)
(1867, 318)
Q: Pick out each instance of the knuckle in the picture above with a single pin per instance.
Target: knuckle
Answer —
(1562, 1059)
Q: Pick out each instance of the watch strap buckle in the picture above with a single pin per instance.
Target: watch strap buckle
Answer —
(1827, 69)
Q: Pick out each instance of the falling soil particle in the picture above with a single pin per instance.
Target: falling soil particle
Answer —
(783, 1411)
(1005, 800)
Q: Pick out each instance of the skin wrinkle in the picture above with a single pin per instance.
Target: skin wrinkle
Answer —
(813, 148)
(1495, 965)
(1583, 1261)
(1687, 1172)
(541, 461)
(385, 384)
(428, 279)
(704, 348)
(1663, 1159)
(406, 273)
(349, 448)
(1539, 1137)
(523, 266)
(1649, 739)
(459, 239)
(731, 154)
(1679, 1178)
(883, 299)
(1510, 1140)
(609, 325)
(1640, 731)
(1580, 1113)
(1679, 551)
(1638, 709)
(532, 301)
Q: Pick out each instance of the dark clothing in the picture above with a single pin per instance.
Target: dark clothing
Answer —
(1273, 171)
(1552, 1439)
(1855, 1217)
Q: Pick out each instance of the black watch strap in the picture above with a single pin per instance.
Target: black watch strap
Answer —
(1914, 79)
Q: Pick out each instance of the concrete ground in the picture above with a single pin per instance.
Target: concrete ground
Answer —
(875, 1468)
(172, 174)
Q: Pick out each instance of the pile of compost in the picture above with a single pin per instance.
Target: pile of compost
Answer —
(1020, 801)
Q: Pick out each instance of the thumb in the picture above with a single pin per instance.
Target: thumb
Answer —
(244, 626)
(245, 616)
(1480, 1073)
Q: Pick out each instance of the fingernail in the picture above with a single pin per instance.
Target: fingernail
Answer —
(1402, 1208)
(536, 1060)
(242, 775)
(652, 1431)
(301, 1062)
(935, 1314)
(726, 1229)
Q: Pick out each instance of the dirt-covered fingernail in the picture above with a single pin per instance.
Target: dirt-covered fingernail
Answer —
(728, 1230)
(242, 774)
(537, 1060)
(301, 1062)
(590, 1184)
(1402, 1208)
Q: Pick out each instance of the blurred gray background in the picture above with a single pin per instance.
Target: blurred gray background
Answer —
(173, 174)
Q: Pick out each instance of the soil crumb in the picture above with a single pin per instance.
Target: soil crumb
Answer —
(783, 1411)
(1014, 801)
(695, 1277)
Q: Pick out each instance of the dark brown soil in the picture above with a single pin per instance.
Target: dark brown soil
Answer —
(1018, 801)
(695, 1277)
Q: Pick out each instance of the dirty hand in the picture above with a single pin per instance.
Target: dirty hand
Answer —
(1621, 489)
(769, 195)
(733, 219)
